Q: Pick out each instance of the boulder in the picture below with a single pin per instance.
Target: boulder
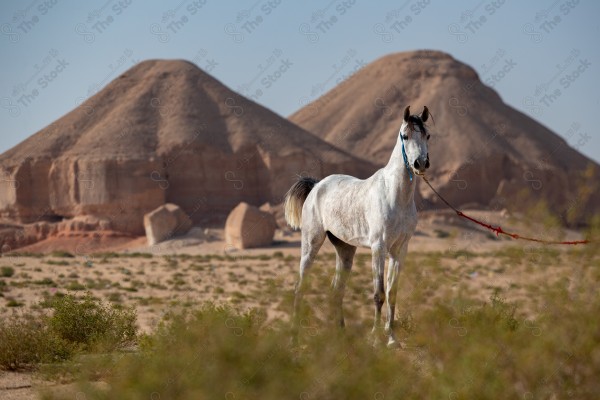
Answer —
(278, 212)
(247, 227)
(166, 222)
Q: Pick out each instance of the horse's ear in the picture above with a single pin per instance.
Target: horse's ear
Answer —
(425, 114)
(406, 113)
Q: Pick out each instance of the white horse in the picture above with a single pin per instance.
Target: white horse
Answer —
(378, 213)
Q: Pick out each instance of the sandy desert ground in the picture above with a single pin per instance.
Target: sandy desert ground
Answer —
(197, 268)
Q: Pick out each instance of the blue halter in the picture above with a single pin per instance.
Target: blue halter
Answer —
(405, 158)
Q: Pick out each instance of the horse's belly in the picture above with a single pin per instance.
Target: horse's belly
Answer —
(354, 232)
(358, 241)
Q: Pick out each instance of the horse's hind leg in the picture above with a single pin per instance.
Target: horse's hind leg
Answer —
(343, 266)
(312, 240)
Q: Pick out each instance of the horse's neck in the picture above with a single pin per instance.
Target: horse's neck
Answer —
(402, 189)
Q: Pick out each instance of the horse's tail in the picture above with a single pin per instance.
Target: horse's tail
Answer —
(294, 200)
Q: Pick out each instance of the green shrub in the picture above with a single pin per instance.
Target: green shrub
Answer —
(26, 339)
(138, 255)
(61, 263)
(13, 303)
(7, 272)
(75, 286)
(441, 234)
(77, 324)
(45, 282)
(93, 324)
(62, 253)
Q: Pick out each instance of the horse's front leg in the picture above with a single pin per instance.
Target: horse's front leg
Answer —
(378, 258)
(397, 257)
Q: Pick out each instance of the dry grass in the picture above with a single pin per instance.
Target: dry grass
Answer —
(477, 322)
(75, 324)
(462, 337)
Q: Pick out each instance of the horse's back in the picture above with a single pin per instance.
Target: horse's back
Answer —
(332, 192)
(338, 186)
(340, 179)
(338, 204)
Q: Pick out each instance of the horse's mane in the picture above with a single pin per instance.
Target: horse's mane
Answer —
(416, 120)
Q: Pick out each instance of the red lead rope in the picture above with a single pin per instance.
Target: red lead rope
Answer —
(497, 229)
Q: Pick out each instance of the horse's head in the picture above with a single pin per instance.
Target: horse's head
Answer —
(414, 134)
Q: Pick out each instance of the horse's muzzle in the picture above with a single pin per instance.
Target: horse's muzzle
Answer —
(421, 164)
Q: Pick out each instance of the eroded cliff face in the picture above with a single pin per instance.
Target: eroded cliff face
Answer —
(164, 131)
(52, 190)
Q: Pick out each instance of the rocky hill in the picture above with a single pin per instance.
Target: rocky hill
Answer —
(483, 152)
(163, 131)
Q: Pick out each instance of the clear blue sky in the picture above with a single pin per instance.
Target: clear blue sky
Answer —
(542, 57)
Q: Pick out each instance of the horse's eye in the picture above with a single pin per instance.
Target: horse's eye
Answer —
(428, 136)
(405, 137)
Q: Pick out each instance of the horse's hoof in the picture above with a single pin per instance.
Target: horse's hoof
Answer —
(374, 339)
(294, 340)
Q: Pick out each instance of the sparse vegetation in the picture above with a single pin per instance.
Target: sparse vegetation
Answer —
(6, 272)
(45, 282)
(115, 297)
(455, 349)
(26, 340)
(75, 286)
(27, 254)
(62, 253)
(77, 324)
(462, 338)
(441, 234)
(109, 255)
(59, 263)
(13, 303)
(89, 322)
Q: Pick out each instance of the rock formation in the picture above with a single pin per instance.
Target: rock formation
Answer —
(163, 131)
(482, 151)
(166, 222)
(248, 226)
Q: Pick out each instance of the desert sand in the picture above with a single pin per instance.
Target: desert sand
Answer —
(190, 270)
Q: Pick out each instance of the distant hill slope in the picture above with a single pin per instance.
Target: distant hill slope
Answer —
(163, 131)
(482, 150)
